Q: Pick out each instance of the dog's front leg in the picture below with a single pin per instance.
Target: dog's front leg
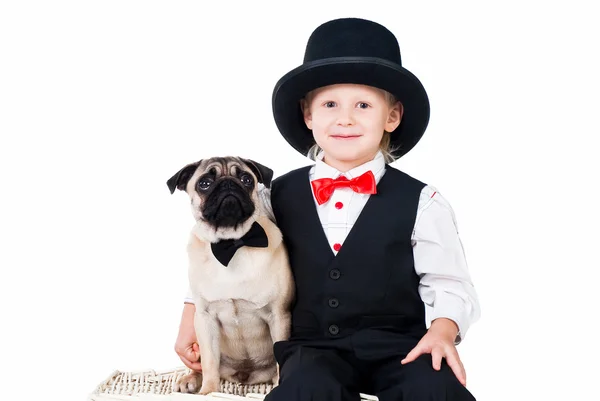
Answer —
(207, 331)
(280, 324)
(280, 321)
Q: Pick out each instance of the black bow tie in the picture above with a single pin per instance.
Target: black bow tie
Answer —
(226, 248)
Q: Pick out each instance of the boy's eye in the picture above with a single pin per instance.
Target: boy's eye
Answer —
(363, 105)
(329, 104)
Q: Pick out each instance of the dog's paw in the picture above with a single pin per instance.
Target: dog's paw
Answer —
(209, 386)
(188, 384)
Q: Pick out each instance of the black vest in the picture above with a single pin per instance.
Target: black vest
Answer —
(371, 282)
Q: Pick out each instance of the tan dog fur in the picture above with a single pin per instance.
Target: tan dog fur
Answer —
(242, 308)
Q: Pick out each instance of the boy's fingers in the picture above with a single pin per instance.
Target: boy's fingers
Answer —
(191, 354)
(192, 365)
(436, 358)
(413, 354)
(457, 367)
(185, 361)
(197, 366)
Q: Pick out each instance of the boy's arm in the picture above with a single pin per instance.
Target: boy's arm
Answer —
(188, 299)
(186, 344)
(440, 261)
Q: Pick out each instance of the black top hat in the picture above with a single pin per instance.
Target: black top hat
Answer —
(351, 50)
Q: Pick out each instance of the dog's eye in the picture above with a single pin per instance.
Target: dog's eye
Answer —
(204, 183)
(246, 179)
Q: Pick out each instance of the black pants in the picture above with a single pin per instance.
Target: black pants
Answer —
(322, 372)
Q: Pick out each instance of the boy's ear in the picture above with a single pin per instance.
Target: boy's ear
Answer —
(306, 114)
(394, 117)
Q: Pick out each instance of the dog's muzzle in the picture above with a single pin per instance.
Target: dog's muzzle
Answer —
(228, 205)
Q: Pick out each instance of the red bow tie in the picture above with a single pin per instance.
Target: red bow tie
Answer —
(323, 188)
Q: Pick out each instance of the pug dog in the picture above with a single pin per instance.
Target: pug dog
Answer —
(239, 273)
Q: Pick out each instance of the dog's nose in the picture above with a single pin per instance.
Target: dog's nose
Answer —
(227, 184)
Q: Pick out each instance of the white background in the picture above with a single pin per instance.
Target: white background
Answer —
(102, 101)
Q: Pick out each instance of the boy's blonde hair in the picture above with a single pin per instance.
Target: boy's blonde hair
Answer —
(384, 145)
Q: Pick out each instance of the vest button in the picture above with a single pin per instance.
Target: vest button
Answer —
(334, 274)
(334, 329)
(334, 303)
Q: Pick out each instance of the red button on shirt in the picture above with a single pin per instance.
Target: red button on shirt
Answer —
(339, 205)
(337, 247)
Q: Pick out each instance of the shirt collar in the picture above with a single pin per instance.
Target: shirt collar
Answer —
(324, 170)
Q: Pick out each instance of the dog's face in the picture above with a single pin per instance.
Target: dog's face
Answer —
(223, 190)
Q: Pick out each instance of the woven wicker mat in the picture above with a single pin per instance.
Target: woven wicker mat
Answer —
(151, 385)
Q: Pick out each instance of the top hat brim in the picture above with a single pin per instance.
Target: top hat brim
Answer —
(371, 71)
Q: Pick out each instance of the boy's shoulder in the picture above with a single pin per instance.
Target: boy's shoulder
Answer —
(398, 174)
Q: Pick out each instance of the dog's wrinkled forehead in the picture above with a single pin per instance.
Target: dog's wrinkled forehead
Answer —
(221, 166)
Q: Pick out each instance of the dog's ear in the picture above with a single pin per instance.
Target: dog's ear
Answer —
(263, 173)
(181, 178)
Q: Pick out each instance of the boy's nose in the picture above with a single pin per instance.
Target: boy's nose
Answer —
(345, 118)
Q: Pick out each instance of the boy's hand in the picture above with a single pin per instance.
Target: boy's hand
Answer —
(186, 345)
(439, 342)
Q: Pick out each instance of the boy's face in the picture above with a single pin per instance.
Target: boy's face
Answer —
(348, 121)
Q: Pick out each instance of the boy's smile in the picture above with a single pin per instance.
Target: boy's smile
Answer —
(348, 122)
(342, 136)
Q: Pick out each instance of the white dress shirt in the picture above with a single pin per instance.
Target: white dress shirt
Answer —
(445, 286)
